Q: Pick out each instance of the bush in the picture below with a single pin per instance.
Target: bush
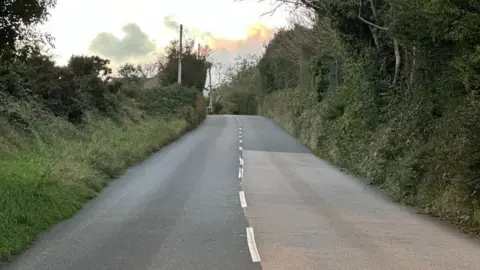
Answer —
(397, 103)
(67, 131)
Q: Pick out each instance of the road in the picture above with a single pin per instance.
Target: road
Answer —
(240, 193)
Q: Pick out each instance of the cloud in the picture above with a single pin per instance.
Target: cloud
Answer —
(170, 22)
(225, 49)
(228, 49)
(135, 44)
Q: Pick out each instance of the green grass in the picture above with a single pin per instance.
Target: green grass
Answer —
(46, 177)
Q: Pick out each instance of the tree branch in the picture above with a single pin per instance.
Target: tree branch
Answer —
(414, 49)
(311, 5)
(375, 37)
(372, 24)
(367, 22)
(273, 10)
(374, 10)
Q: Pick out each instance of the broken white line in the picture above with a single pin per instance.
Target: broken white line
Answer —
(243, 201)
(252, 246)
(241, 161)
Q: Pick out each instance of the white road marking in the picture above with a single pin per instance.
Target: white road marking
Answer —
(241, 161)
(240, 173)
(240, 148)
(252, 246)
(243, 201)
(241, 141)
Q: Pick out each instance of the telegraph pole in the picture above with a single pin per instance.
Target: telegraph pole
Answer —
(210, 78)
(210, 92)
(180, 56)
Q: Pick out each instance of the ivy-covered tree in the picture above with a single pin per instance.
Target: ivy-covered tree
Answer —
(386, 88)
(194, 65)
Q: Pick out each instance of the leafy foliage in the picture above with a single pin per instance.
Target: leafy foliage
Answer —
(17, 18)
(238, 92)
(66, 91)
(65, 131)
(194, 66)
(387, 89)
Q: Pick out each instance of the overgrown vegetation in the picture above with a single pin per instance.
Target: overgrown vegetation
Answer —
(387, 89)
(65, 131)
(236, 93)
(194, 66)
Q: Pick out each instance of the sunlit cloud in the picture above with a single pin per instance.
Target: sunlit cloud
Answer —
(136, 47)
(227, 49)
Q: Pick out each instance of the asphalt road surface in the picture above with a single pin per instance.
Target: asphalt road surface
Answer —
(240, 193)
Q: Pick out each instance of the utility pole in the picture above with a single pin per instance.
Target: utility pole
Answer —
(210, 87)
(180, 56)
(210, 78)
(198, 51)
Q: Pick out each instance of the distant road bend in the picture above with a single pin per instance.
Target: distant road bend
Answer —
(240, 193)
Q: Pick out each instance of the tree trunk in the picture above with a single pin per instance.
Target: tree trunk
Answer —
(374, 10)
(373, 27)
(397, 60)
(412, 72)
(406, 66)
(375, 37)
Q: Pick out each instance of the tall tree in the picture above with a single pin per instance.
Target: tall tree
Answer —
(17, 19)
(194, 65)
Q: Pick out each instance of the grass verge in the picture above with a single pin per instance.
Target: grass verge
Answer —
(43, 181)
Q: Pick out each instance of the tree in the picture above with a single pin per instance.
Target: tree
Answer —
(148, 70)
(130, 72)
(194, 66)
(17, 19)
(89, 65)
(239, 90)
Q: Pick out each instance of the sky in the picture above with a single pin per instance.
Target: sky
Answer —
(135, 31)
